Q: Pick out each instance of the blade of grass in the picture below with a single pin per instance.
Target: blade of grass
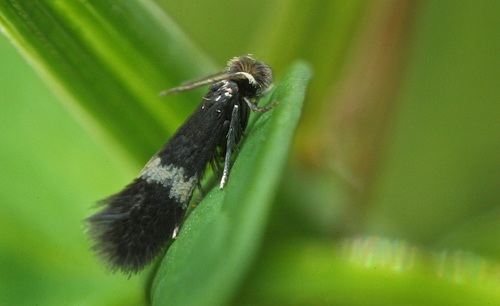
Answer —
(370, 271)
(108, 60)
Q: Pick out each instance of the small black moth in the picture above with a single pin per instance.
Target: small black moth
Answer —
(137, 223)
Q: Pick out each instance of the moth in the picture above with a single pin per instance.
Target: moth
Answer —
(137, 224)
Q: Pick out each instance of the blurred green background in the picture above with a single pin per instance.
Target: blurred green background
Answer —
(392, 191)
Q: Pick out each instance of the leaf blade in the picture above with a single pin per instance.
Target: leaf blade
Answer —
(108, 61)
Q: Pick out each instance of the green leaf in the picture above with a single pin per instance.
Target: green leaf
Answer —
(219, 241)
(370, 271)
(108, 60)
(434, 185)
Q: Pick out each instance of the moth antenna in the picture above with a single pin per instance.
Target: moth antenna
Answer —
(231, 76)
(203, 78)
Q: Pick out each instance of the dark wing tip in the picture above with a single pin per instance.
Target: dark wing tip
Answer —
(134, 227)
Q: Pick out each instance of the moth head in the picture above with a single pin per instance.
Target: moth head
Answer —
(257, 75)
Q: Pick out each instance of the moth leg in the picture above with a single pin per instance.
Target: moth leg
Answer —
(231, 144)
(254, 107)
(198, 184)
(267, 90)
(216, 160)
(215, 168)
